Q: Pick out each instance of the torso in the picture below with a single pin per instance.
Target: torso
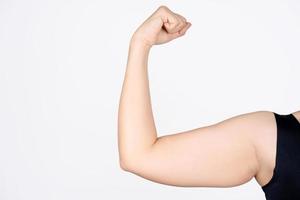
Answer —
(266, 150)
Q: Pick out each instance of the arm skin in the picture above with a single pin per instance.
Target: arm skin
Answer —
(137, 132)
(219, 155)
(136, 127)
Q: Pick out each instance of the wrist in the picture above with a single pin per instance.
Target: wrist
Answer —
(136, 42)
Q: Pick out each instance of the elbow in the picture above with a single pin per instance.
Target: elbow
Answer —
(129, 166)
(133, 163)
(124, 160)
(124, 166)
(134, 160)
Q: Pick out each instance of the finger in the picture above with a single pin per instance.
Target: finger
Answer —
(176, 26)
(181, 22)
(184, 29)
(172, 25)
(172, 22)
(183, 19)
(173, 36)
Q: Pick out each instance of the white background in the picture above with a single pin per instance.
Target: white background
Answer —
(62, 65)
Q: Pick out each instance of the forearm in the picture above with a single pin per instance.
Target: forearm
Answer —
(136, 127)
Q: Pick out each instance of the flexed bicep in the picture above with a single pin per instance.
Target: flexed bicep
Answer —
(219, 155)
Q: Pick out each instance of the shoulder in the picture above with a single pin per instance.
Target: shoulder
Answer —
(259, 129)
(253, 125)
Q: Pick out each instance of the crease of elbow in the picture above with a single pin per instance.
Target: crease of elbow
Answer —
(131, 163)
(123, 166)
(134, 163)
(128, 165)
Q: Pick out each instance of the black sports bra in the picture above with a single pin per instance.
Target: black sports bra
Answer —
(285, 182)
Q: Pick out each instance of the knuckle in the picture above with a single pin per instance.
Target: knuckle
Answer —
(183, 18)
(162, 7)
(181, 24)
(177, 21)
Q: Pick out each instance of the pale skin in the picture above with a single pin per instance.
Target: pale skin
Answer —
(224, 154)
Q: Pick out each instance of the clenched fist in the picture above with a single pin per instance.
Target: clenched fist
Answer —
(161, 27)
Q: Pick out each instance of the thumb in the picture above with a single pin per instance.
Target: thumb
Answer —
(181, 32)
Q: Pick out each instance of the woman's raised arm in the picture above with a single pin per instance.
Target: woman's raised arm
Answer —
(219, 155)
(136, 128)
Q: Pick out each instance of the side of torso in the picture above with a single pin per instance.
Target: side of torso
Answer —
(265, 143)
(289, 155)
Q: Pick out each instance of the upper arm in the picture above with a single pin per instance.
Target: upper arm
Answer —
(219, 155)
